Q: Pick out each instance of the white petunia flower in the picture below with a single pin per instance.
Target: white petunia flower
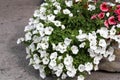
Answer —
(45, 60)
(60, 66)
(51, 17)
(36, 66)
(67, 41)
(63, 27)
(117, 38)
(42, 53)
(80, 32)
(43, 16)
(28, 36)
(91, 7)
(110, 51)
(36, 13)
(43, 45)
(37, 61)
(110, 4)
(80, 77)
(103, 32)
(72, 73)
(31, 61)
(31, 20)
(58, 73)
(53, 0)
(42, 71)
(36, 21)
(91, 52)
(60, 57)
(48, 30)
(71, 15)
(118, 1)
(112, 31)
(69, 3)
(36, 39)
(52, 63)
(93, 45)
(42, 75)
(61, 47)
(118, 25)
(96, 61)
(53, 46)
(111, 57)
(20, 40)
(68, 60)
(88, 66)
(56, 4)
(35, 32)
(42, 9)
(107, 14)
(56, 11)
(42, 32)
(64, 76)
(118, 45)
(81, 37)
(32, 47)
(53, 55)
(66, 11)
(102, 43)
(98, 56)
(82, 45)
(39, 26)
(74, 49)
(92, 37)
(81, 68)
(58, 8)
(96, 67)
(57, 23)
(77, 0)
(29, 27)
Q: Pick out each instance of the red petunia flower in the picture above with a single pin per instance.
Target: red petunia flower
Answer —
(111, 20)
(106, 23)
(104, 7)
(118, 17)
(117, 11)
(118, 6)
(101, 15)
(94, 16)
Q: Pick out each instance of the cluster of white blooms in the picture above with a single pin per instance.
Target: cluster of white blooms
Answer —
(62, 46)
(87, 67)
(99, 48)
(60, 59)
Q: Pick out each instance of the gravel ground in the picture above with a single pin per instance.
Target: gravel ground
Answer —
(14, 15)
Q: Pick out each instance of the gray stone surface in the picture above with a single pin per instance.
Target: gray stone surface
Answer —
(113, 66)
(14, 15)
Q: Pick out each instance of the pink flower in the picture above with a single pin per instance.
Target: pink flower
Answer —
(118, 17)
(106, 23)
(117, 11)
(101, 15)
(104, 7)
(118, 6)
(111, 20)
(94, 16)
